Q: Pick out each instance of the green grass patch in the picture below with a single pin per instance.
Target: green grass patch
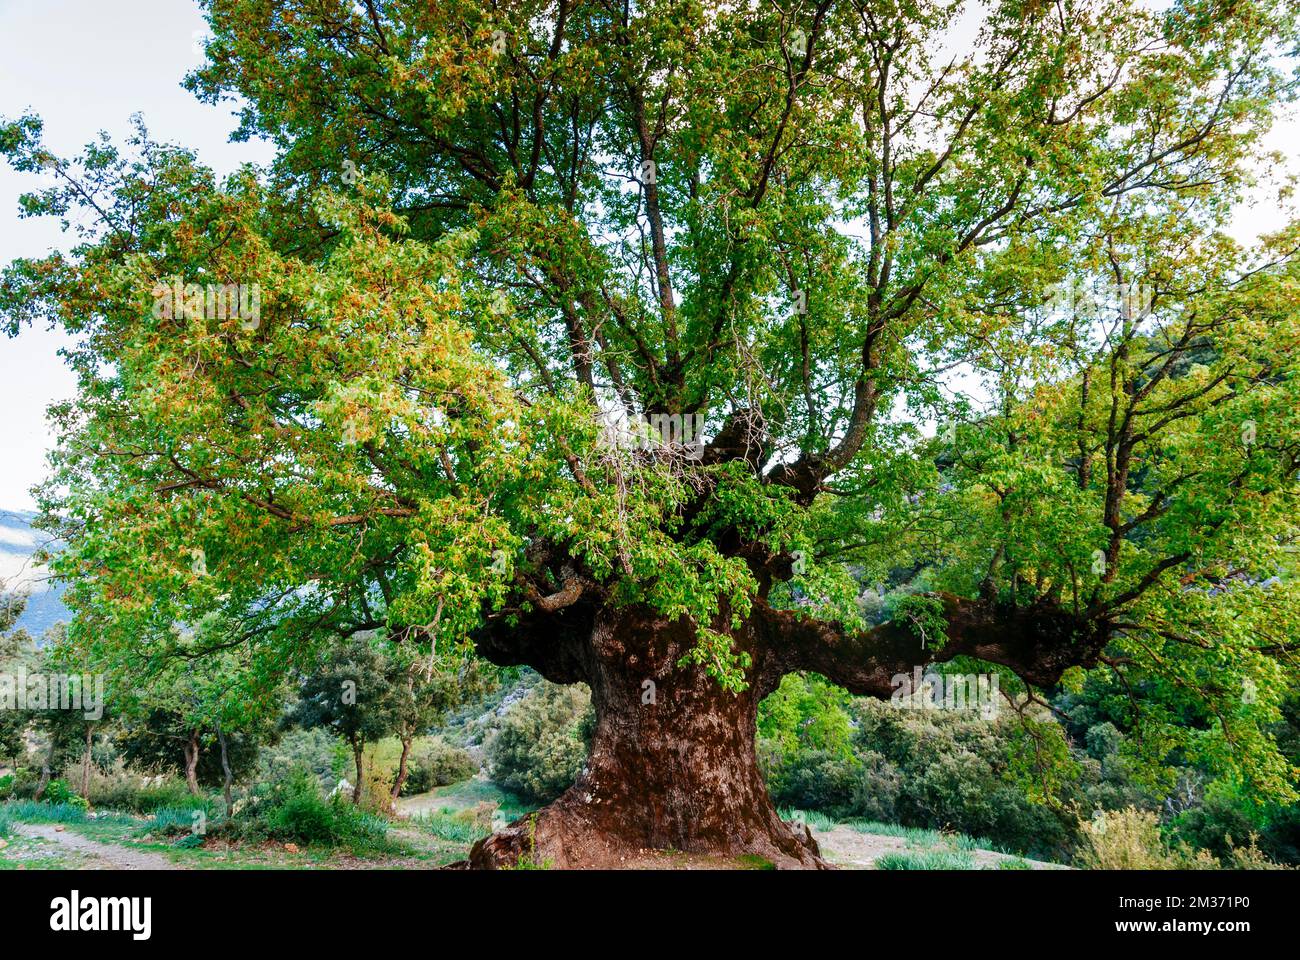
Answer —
(927, 860)
(446, 825)
(31, 811)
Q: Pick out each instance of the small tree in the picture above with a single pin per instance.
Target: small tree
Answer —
(194, 694)
(13, 723)
(422, 691)
(352, 696)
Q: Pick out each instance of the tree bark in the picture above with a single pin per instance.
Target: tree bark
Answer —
(401, 768)
(85, 763)
(227, 775)
(192, 763)
(357, 749)
(672, 763)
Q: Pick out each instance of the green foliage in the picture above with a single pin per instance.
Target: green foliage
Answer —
(458, 827)
(542, 743)
(31, 811)
(932, 769)
(171, 821)
(438, 764)
(409, 443)
(350, 696)
(297, 811)
(313, 748)
(151, 795)
(923, 617)
(1132, 840)
(927, 860)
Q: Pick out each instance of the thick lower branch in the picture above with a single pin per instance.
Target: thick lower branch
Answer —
(1037, 643)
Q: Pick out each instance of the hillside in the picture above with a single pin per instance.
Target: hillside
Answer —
(19, 541)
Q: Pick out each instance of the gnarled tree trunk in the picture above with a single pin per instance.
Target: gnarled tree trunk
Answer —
(673, 764)
(191, 748)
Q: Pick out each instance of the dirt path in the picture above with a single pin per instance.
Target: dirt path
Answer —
(852, 850)
(101, 856)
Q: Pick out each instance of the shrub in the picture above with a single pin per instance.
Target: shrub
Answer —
(460, 827)
(314, 748)
(1131, 840)
(377, 791)
(120, 788)
(171, 821)
(57, 792)
(297, 811)
(541, 746)
(940, 770)
(438, 764)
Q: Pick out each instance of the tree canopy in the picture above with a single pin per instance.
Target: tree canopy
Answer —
(950, 290)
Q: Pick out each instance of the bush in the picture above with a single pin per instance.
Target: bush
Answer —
(460, 827)
(297, 811)
(314, 748)
(1131, 840)
(941, 770)
(117, 787)
(542, 743)
(58, 792)
(437, 764)
(120, 788)
(170, 821)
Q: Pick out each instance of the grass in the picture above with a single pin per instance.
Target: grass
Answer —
(446, 825)
(927, 860)
(469, 793)
(30, 811)
(815, 820)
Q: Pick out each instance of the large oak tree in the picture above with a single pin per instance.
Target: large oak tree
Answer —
(949, 286)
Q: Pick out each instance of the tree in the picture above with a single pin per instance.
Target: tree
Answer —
(420, 692)
(513, 265)
(193, 692)
(13, 652)
(352, 696)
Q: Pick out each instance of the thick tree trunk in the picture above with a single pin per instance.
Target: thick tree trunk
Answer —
(401, 768)
(192, 763)
(672, 764)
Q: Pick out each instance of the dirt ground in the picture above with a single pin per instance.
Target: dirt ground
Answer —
(96, 855)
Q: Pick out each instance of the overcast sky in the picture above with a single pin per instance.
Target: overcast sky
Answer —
(88, 65)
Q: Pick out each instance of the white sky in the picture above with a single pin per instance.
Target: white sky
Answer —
(86, 66)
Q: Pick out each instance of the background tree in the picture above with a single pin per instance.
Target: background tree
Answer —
(494, 239)
(15, 647)
(421, 691)
(351, 694)
(205, 714)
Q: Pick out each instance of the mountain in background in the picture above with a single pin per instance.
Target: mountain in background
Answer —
(20, 574)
